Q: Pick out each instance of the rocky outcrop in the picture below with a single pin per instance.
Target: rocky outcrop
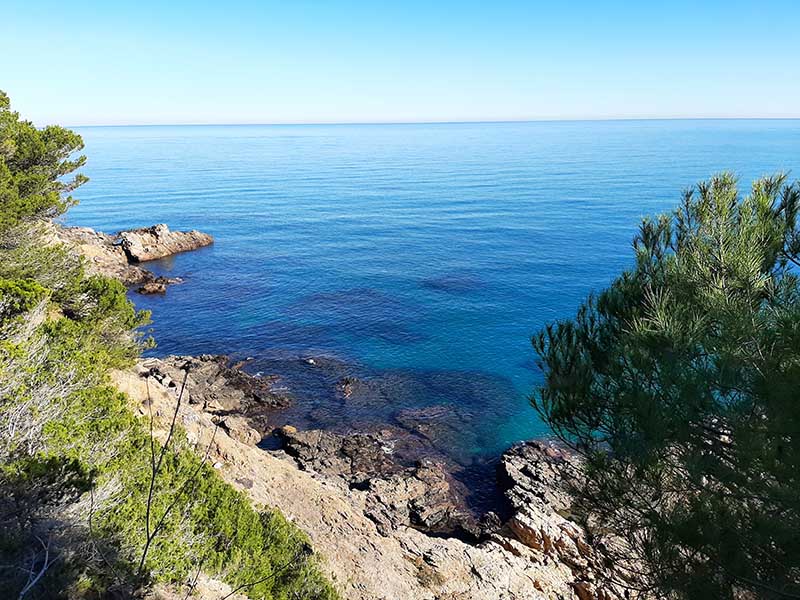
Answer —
(217, 386)
(535, 476)
(104, 256)
(117, 256)
(379, 524)
(424, 496)
(152, 243)
(365, 563)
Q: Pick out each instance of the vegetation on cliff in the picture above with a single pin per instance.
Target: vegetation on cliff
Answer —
(91, 504)
(678, 387)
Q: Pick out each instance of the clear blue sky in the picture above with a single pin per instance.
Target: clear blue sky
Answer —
(235, 61)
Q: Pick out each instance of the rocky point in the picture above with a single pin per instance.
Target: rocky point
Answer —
(119, 255)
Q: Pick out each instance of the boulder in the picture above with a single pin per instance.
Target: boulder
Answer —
(153, 287)
(152, 243)
(239, 429)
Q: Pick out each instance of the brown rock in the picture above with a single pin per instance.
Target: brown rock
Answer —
(151, 243)
(535, 476)
(583, 590)
(157, 285)
(238, 428)
(153, 287)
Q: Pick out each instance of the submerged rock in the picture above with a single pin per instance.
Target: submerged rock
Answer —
(152, 243)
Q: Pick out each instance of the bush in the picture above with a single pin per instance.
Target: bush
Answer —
(18, 297)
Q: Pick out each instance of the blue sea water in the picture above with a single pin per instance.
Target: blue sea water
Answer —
(425, 255)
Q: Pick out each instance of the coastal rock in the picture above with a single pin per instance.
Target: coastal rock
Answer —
(424, 496)
(535, 476)
(217, 387)
(153, 287)
(116, 255)
(152, 243)
(103, 255)
(239, 429)
(157, 285)
(370, 559)
(354, 457)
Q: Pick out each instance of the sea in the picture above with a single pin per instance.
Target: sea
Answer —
(418, 258)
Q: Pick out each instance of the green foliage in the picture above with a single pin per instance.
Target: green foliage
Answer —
(66, 435)
(677, 386)
(19, 296)
(97, 439)
(205, 523)
(23, 255)
(33, 165)
(100, 299)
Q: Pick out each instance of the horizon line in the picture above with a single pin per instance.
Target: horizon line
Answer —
(436, 122)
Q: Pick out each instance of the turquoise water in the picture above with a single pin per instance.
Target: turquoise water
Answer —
(422, 255)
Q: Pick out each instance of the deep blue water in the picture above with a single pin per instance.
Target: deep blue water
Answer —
(424, 254)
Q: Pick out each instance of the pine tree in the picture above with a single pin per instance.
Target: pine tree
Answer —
(679, 387)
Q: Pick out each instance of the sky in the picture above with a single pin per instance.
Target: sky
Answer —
(300, 61)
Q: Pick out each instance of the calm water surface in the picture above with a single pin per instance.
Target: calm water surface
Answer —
(424, 255)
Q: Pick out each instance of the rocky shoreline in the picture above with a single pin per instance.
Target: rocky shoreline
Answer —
(381, 504)
(387, 531)
(119, 256)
